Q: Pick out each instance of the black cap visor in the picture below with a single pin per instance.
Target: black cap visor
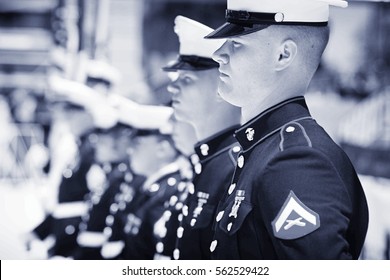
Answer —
(191, 63)
(230, 29)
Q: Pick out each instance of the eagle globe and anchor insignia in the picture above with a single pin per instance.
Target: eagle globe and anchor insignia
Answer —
(250, 133)
(295, 219)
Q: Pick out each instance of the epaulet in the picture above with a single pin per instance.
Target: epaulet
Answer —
(234, 151)
(293, 134)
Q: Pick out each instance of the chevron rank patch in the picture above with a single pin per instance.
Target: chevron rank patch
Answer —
(294, 219)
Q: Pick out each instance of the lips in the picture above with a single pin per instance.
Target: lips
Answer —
(175, 102)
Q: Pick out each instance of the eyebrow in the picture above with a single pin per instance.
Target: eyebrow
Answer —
(187, 74)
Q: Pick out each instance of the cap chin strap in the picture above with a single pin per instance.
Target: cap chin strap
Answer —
(246, 18)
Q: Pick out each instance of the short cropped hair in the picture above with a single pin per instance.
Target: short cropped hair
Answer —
(311, 42)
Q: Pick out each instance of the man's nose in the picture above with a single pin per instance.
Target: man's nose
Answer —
(173, 88)
(221, 55)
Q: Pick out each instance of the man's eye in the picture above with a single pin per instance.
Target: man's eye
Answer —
(187, 80)
(236, 44)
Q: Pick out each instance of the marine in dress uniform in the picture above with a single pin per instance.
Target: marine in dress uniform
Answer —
(63, 222)
(86, 110)
(195, 100)
(214, 164)
(294, 193)
(114, 247)
(111, 155)
(161, 167)
(144, 118)
(165, 229)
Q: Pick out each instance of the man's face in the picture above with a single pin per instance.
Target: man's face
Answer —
(245, 64)
(142, 153)
(105, 148)
(193, 93)
(112, 147)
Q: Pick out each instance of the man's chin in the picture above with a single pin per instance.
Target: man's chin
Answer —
(179, 115)
(226, 93)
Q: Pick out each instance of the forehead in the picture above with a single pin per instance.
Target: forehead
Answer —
(187, 73)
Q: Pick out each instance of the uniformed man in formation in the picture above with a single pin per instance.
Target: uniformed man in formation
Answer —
(73, 139)
(196, 101)
(112, 166)
(296, 194)
(240, 170)
(68, 170)
(165, 229)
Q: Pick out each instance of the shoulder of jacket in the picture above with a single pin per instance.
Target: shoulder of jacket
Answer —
(293, 134)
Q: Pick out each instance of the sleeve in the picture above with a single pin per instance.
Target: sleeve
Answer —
(305, 205)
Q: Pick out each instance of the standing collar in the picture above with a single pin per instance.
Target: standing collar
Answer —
(164, 171)
(271, 121)
(215, 144)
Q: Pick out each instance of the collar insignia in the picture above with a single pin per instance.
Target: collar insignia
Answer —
(250, 133)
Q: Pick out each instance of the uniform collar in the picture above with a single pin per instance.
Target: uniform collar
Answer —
(214, 145)
(271, 121)
(163, 172)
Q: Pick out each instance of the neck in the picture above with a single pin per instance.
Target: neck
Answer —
(213, 123)
(258, 106)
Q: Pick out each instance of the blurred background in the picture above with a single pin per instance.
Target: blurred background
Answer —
(119, 46)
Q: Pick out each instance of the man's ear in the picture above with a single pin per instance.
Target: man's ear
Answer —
(286, 53)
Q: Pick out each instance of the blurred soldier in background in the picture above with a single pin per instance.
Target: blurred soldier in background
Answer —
(196, 100)
(72, 157)
(365, 136)
(296, 194)
(153, 155)
(113, 248)
(112, 165)
(165, 229)
(77, 110)
(141, 203)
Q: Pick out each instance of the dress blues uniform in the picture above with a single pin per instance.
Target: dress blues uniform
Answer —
(166, 227)
(64, 222)
(294, 194)
(140, 242)
(119, 209)
(95, 228)
(214, 166)
(215, 156)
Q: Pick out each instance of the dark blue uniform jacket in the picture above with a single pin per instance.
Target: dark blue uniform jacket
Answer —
(294, 194)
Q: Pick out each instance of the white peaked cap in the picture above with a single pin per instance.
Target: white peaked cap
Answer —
(104, 115)
(191, 37)
(148, 117)
(242, 14)
(292, 10)
(195, 52)
(100, 69)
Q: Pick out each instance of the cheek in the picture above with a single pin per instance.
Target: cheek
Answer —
(189, 97)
